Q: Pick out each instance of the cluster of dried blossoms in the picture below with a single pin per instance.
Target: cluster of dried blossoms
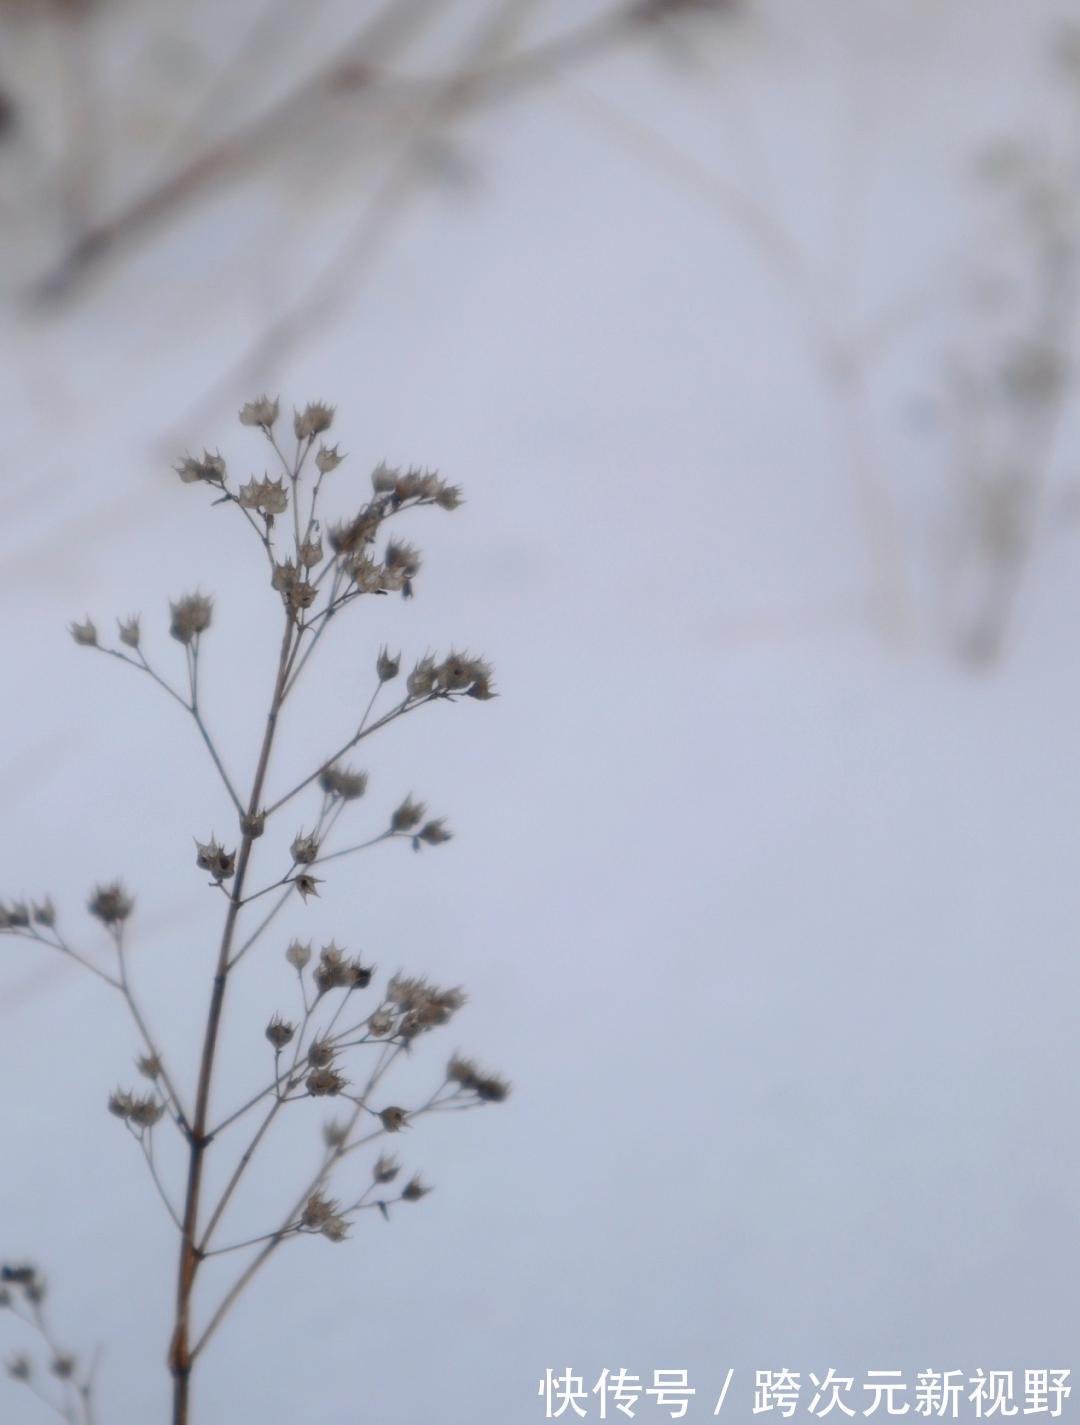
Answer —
(1008, 382)
(341, 1040)
(64, 1385)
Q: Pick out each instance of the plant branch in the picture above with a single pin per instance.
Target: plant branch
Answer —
(140, 663)
(180, 1355)
(124, 986)
(145, 1142)
(274, 1239)
(406, 706)
(354, 70)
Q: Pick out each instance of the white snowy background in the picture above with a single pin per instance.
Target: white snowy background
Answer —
(763, 887)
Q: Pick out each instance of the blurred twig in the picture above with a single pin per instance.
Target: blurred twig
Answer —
(479, 80)
(358, 68)
(80, 170)
(834, 357)
(392, 24)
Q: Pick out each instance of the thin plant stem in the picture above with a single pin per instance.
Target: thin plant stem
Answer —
(408, 705)
(275, 1239)
(148, 1039)
(146, 1143)
(64, 949)
(191, 707)
(238, 1172)
(180, 1354)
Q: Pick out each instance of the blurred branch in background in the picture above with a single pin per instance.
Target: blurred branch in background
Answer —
(1004, 400)
(837, 357)
(357, 71)
(1008, 385)
(121, 122)
(378, 82)
(489, 71)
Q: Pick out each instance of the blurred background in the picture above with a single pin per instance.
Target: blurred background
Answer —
(748, 329)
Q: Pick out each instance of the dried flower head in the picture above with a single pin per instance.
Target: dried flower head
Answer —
(383, 479)
(43, 912)
(301, 595)
(492, 1089)
(386, 1168)
(284, 577)
(328, 458)
(312, 420)
(147, 1111)
(422, 681)
(142, 1110)
(336, 1229)
(488, 1087)
(434, 833)
(211, 469)
(423, 1005)
(393, 1118)
(311, 553)
(461, 673)
(353, 536)
(84, 633)
(359, 975)
(320, 1054)
(414, 1189)
(22, 1274)
(190, 617)
(335, 1133)
(411, 484)
(20, 1368)
(129, 630)
(261, 412)
(402, 559)
(304, 849)
(323, 1083)
(380, 1024)
(14, 915)
(268, 497)
(307, 885)
(407, 815)
(111, 904)
(374, 578)
(455, 672)
(387, 666)
(211, 856)
(461, 1071)
(343, 782)
(149, 1065)
(317, 1210)
(298, 954)
(333, 971)
(481, 688)
(449, 497)
(280, 1032)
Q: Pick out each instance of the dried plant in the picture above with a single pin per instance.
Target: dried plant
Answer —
(98, 160)
(1008, 385)
(1001, 300)
(341, 1039)
(22, 1291)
